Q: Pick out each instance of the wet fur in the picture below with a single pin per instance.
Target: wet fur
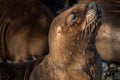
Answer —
(70, 56)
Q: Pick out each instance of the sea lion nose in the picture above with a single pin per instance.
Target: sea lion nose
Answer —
(92, 5)
(96, 7)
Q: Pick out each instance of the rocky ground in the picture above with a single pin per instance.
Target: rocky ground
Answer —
(111, 71)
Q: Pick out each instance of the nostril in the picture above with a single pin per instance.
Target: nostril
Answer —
(92, 5)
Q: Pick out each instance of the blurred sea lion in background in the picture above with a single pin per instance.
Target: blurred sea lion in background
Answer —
(72, 52)
(108, 40)
(24, 26)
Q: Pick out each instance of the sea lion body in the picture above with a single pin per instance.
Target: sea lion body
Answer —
(24, 29)
(108, 43)
(72, 53)
(108, 39)
(24, 26)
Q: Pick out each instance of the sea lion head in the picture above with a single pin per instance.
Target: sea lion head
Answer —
(70, 55)
(79, 23)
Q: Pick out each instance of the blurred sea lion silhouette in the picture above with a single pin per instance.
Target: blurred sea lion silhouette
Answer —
(24, 26)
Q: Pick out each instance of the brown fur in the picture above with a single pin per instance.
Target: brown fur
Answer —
(111, 9)
(73, 55)
(108, 36)
(24, 26)
(24, 29)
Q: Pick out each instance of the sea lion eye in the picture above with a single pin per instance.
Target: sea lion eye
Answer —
(73, 18)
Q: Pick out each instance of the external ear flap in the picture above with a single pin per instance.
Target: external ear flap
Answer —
(83, 26)
(58, 29)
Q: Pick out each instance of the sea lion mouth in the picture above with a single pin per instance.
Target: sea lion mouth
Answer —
(93, 18)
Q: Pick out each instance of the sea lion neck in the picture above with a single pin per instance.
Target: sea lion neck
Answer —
(63, 50)
(61, 44)
(72, 54)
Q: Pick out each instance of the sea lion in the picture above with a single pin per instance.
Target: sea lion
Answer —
(108, 38)
(72, 52)
(58, 6)
(24, 26)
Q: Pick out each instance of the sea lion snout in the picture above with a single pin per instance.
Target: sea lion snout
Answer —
(93, 18)
(92, 5)
(94, 8)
